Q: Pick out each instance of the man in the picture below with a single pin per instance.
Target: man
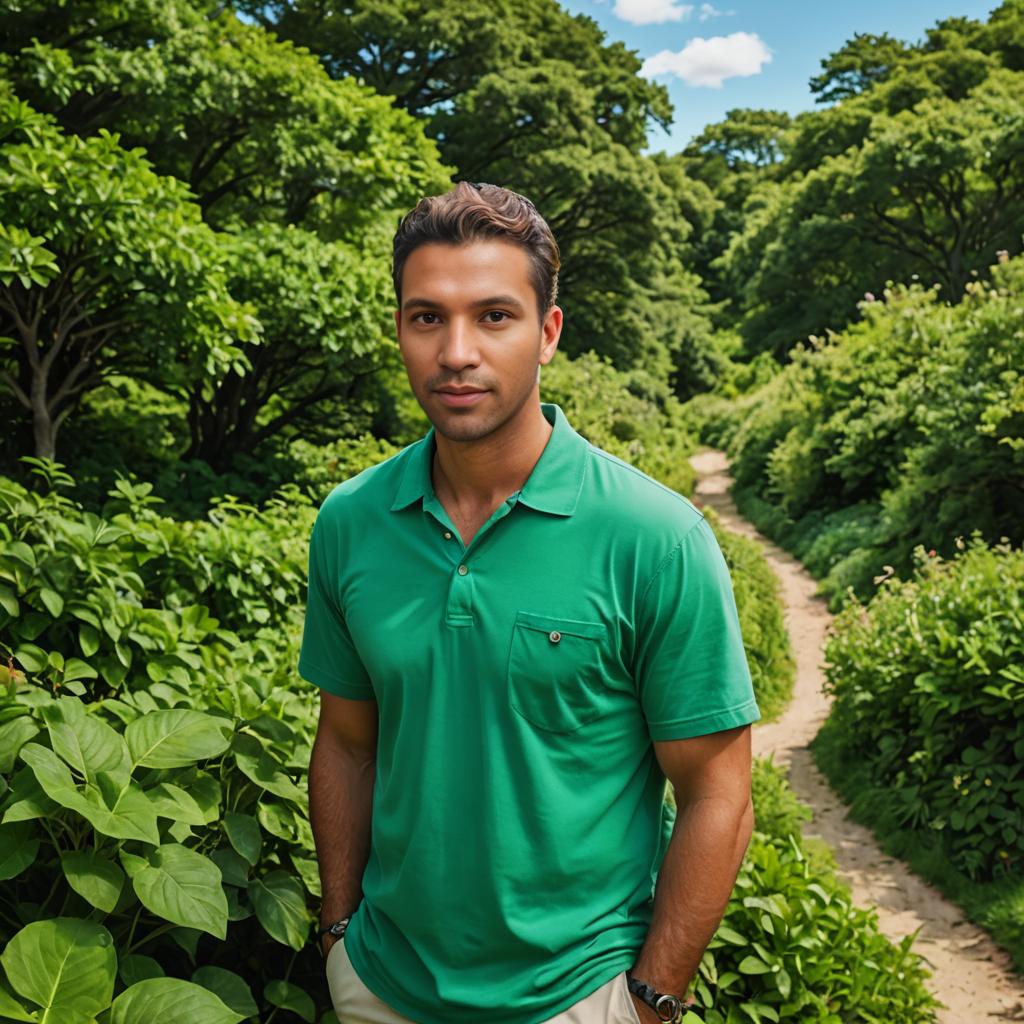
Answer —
(517, 637)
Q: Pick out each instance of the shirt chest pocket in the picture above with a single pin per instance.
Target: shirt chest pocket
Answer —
(556, 671)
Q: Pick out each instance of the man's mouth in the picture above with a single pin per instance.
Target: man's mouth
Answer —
(457, 395)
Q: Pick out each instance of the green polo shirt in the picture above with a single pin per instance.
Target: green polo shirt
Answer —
(517, 808)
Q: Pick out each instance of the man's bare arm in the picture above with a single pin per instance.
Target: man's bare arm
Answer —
(711, 778)
(342, 769)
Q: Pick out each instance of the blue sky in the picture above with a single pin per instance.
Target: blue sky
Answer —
(778, 45)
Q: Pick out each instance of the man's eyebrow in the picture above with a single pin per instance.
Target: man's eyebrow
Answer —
(493, 300)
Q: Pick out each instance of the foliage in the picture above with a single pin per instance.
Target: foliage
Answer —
(150, 755)
(934, 190)
(626, 413)
(730, 159)
(792, 946)
(913, 171)
(250, 123)
(857, 65)
(996, 905)
(906, 429)
(929, 693)
(118, 273)
(301, 175)
(777, 810)
(323, 309)
(756, 589)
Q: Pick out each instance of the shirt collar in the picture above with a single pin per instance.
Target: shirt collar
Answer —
(553, 486)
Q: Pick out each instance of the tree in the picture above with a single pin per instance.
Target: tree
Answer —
(253, 125)
(857, 65)
(322, 308)
(264, 139)
(932, 192)
(104, 266)
(523, 94)
(730, 158)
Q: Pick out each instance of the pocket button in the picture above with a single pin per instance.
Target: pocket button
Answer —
(554, 636)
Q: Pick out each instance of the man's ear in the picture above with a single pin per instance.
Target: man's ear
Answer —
(552, 331)
(398, 323)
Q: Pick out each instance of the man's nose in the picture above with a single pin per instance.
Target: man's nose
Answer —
(460, 348)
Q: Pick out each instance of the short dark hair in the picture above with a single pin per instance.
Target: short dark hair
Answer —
(473, 211)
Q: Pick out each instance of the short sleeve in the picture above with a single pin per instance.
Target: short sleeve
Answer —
(328, 656)
(691, 669)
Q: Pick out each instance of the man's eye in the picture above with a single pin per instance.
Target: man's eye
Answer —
(496, 312)
(418, 315)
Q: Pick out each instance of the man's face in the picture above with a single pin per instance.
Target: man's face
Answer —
(470, 336)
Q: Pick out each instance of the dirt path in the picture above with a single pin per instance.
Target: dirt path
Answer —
(971, 975)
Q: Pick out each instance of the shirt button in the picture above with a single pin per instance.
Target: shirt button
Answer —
(447, 535)
(554, 636)
(463, 569)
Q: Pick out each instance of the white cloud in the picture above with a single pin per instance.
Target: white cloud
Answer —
(652, 12)
(709, 62)
(709, 11)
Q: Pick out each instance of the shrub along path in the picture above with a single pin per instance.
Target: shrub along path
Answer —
(972, 975)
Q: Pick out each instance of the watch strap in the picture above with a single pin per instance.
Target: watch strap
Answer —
(666, 1006)
(335, 928)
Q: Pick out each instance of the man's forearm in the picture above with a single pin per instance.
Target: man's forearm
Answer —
(340, 808)
(693, 888)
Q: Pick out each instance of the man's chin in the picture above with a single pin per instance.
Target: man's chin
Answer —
(463, 426)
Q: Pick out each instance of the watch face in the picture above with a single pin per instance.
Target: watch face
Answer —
(668, 1007)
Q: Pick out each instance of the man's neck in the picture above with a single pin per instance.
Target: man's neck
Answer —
(482, 474)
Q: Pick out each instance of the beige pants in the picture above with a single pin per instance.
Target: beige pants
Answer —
(354, 1003)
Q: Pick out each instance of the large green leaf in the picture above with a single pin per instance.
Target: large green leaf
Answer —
(280, 906)
(173, 802)
(11, 1009)
(290, 997)
(135, 967)
(65, 965)
(13, 736)
(54, 776)
(18, 848)
(267, 772)
(114, 807)
(88, 744)
(121, 810)
(177, 737)
(93, 877)
(181, 886)
(170, 999)
(243, 832)
(26, 799)
(231, 988)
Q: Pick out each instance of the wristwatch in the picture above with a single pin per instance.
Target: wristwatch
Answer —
(668, 1008)
(337, 929)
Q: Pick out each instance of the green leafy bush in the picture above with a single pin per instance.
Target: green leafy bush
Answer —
(150, 761)
(906, 429)
(791, 945)
(629, 414)
(929, 695)
(777, 811)
(765, 639)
